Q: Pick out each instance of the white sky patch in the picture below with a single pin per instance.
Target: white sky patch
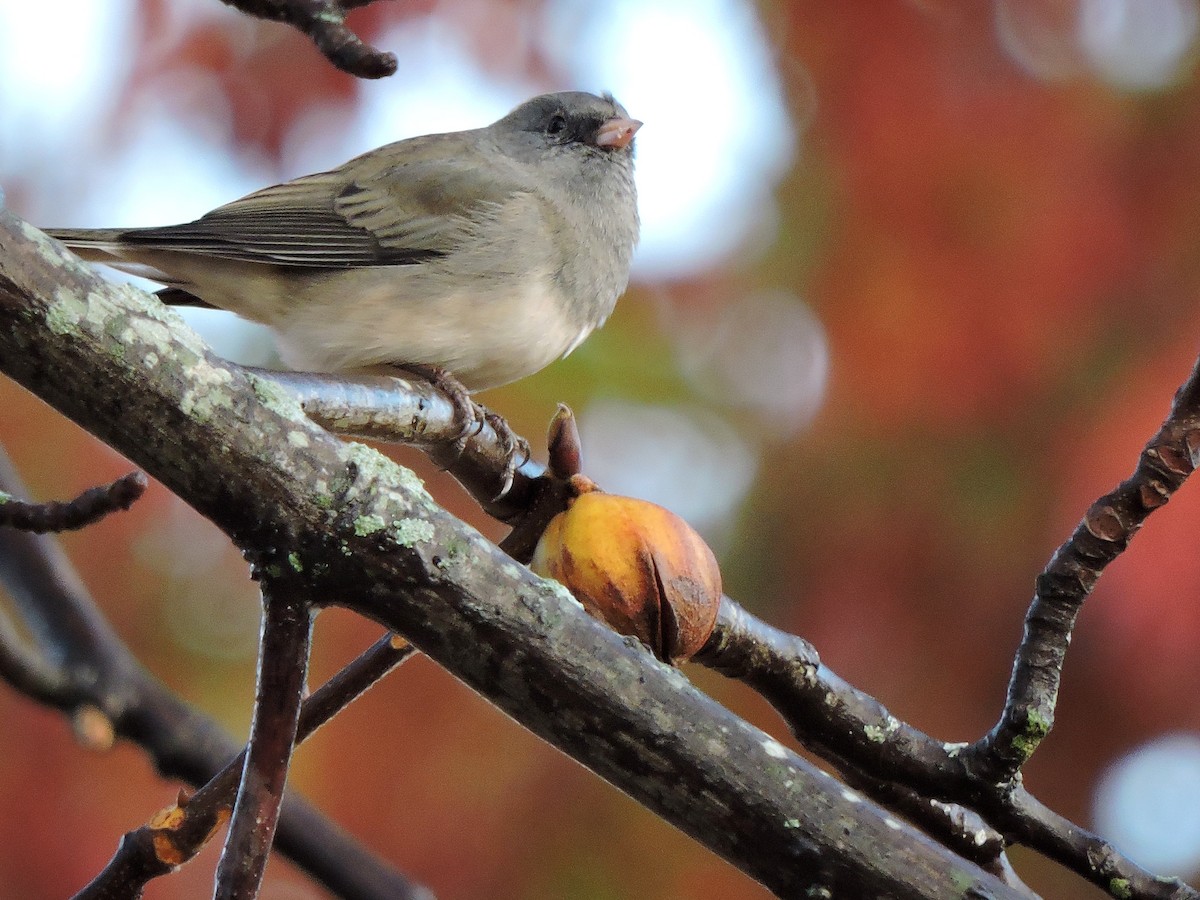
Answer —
(1138, 44)
(437, 87)
(173, 167)
(717, 136)
(52, 110)
(57, 67)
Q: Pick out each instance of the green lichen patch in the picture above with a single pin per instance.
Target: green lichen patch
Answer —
(65, 312)
(1037, 725)
(277, 398)
(413, 531)
(374, 468)
(207, 392)
(153, 335)
(369, 524)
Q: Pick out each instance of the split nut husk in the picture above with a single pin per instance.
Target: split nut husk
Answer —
(636, 566)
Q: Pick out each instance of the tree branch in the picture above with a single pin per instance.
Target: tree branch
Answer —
(282, 675)
(1067, 581)
(78, 663)
(365, 535)
(877, 751)
(175, 835)
(395, 409)
(325, 22)
(88, 508)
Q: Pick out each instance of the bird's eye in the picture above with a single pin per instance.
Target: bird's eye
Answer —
(557, 125)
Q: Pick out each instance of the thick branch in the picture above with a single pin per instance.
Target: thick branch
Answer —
(364, 533)
(414, 412)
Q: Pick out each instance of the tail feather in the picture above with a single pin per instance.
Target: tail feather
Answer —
(110, 247)
(95, 244)
(173, 296)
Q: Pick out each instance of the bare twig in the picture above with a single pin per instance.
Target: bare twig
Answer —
(88, 508)
(282, 672)
(1101, 537)
(1024, 818)
(175, 835)
(325, 22)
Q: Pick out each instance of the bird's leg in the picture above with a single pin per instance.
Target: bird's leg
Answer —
(473, 415)
(467, 412)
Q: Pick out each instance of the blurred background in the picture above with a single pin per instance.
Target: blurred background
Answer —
(918, 280)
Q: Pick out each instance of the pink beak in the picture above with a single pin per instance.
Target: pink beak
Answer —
(617, 133)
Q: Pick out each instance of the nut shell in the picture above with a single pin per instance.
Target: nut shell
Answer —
(638, 567)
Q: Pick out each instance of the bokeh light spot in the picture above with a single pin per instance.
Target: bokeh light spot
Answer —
(689, 461)
(766, 353)
(1148, 804)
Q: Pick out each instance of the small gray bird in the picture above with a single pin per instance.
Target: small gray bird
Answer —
(485, 254)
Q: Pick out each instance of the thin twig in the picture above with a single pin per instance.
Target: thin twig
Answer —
(174, 836)
(88, 508)
(1029, 821)
(1068, 580)
(282, 671)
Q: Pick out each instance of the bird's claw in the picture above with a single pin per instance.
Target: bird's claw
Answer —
(512, 446)
(471, 417)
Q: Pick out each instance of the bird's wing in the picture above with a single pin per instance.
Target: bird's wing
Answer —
(400, 210)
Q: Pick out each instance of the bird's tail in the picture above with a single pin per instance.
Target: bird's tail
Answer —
(110, 247)
(94, 244)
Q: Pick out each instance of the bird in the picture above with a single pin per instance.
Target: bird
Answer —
(473, 258)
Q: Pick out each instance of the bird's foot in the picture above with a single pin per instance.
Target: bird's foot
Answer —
(469, 416)
(514, 448)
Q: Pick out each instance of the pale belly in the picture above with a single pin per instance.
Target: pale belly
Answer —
(485, 339)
